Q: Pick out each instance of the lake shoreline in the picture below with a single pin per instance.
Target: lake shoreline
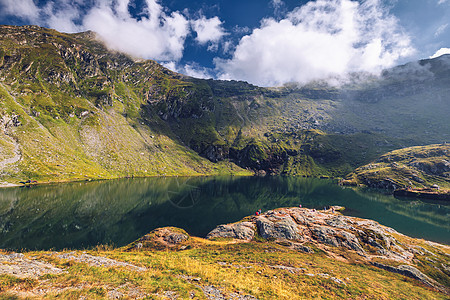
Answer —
(55, 182)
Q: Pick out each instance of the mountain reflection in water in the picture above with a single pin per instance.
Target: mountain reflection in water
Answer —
(84, 214)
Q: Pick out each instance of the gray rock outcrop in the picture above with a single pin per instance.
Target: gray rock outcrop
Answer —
(241, 231)
(327, 228)
(271, 225)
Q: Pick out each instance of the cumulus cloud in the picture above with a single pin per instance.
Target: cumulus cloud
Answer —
(323, 38)
(62, 16)
(20, 8)
(155, 35)
(442, 1)
(208, 30)
(440, 52)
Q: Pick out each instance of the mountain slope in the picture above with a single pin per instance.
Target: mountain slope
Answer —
(72, 109)
(415, 167)
(77, 109)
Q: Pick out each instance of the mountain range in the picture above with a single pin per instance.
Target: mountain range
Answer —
(73, 110)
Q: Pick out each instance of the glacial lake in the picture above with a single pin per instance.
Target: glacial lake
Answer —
(117, 212)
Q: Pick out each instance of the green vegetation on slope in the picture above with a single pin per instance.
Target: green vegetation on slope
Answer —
(85, 112)
(415, 167)
(79, 111)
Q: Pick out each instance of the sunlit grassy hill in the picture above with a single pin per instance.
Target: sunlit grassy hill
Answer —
(167, 263)
(415, 167)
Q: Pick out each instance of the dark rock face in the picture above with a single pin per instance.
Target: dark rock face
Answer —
(303, 248)
(259, 157)
(325, 235)
(350, 241)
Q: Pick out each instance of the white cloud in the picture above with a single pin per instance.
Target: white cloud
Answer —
(440, 52)
(276, 3)
(156, 35)
(323, 38)
(228, 47)
(278, 6)
(20, 8)
(193, 69)
(62, 17)
(442, 2)
(241, 30)
(208, 30)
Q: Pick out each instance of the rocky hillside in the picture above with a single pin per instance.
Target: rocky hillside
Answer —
(72, 109)
(289, 253)
(414, 167)
(335, 234)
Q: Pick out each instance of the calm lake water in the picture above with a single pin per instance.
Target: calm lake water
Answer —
(82, 215)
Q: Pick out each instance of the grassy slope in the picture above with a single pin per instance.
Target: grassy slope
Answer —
(88, 126)
(417, 167)
(233, 267)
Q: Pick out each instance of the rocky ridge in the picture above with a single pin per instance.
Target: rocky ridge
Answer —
(321, 250)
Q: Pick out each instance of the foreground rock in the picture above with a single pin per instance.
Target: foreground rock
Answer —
(339, 235)
(162, 238)
(328, 228)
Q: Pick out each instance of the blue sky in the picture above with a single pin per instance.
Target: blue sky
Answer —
(265, 42)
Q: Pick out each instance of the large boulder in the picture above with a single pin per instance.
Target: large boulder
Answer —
(271, 226)
(242, 231)
(162, 238)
